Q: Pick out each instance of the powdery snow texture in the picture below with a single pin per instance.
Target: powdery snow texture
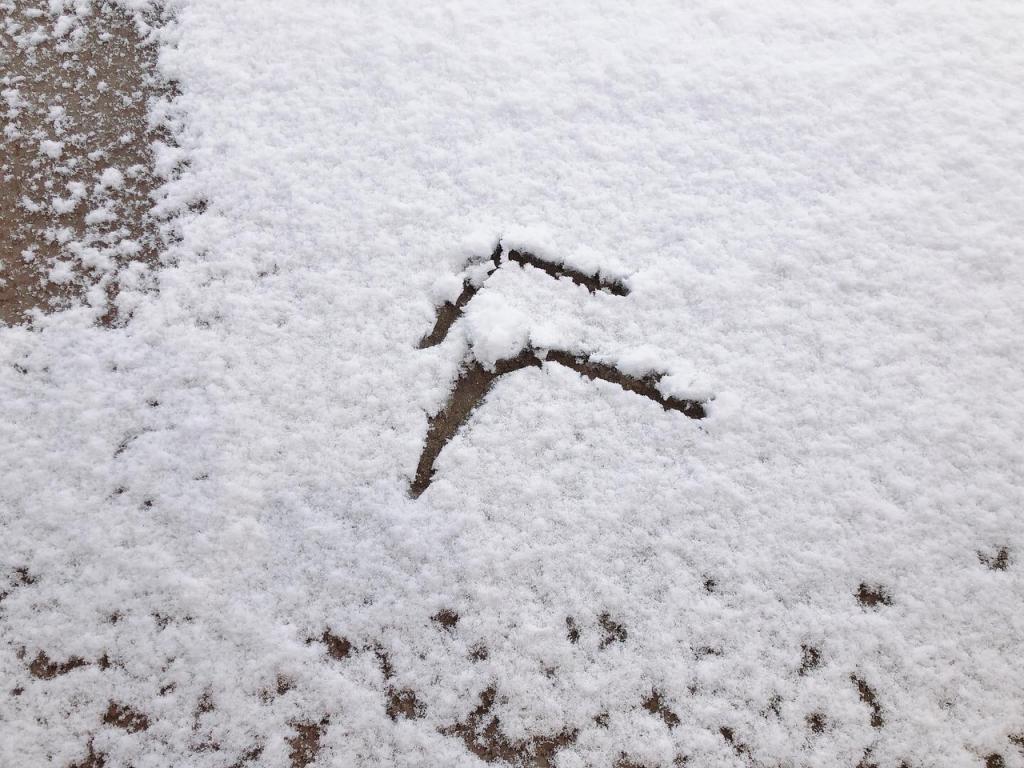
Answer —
(819, 208)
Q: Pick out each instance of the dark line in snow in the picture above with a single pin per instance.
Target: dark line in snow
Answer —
(870, 697)
(592, 283)
(470, 389)
(449, 312)
(475, 382)
(646, 386)
(130, 438)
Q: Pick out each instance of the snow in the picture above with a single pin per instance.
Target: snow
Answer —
(51, 149)
(446, 288)
(818, 208)
(61, 273)
(30, 205)
(495, 330)
(100, 216)
(111, 178)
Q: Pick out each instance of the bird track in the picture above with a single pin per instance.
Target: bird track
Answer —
(475, 381)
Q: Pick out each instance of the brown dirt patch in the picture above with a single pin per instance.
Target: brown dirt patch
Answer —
(88, 92)
(304, 746)
(337, 647)
(873, 595)
(44, 668)
(656, 705)
(481, 733)
(124, 716)
(447, 618)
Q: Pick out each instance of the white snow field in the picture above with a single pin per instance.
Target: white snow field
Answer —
(210, 553)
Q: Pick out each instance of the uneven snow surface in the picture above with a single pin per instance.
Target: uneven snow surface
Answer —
(818, 208)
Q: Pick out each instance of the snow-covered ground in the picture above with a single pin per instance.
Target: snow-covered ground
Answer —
(818, 211)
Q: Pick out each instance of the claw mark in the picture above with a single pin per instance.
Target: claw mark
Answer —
(449, 312)
(476, 381)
